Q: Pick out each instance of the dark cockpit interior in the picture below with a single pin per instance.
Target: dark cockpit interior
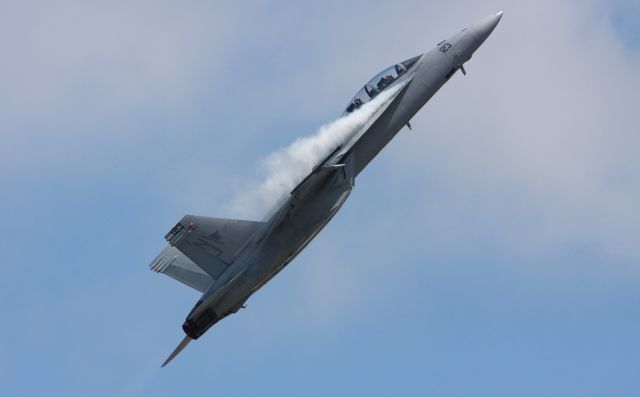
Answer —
(379, 83)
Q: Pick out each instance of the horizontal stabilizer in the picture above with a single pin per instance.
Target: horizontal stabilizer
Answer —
(176, 265)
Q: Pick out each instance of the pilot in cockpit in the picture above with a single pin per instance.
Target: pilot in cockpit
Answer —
(385, 82)
(400, 69)
(357, 102)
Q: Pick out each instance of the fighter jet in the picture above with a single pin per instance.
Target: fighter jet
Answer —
(227, 260)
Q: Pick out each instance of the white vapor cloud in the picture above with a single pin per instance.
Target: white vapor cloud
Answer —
(287, 167)
(80, 65)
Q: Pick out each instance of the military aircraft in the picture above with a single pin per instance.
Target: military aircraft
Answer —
(227, 260)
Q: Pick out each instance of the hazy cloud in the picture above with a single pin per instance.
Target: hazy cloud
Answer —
(117, 118)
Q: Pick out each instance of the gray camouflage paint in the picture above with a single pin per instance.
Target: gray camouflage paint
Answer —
(267, 247)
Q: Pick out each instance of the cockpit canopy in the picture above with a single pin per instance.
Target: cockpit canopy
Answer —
(379, 83)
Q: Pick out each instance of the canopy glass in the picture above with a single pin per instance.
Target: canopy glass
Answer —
(379, 83)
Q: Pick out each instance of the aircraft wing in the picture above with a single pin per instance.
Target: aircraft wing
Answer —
(316, 179)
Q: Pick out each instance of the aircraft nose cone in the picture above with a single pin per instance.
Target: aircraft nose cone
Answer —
(480, 31)
(483, 29)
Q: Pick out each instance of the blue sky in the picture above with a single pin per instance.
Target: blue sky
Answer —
(492, 250)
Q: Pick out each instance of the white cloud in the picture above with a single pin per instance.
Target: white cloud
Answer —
(532, 152)
(77, 74)
(115, 53)
(542, 130)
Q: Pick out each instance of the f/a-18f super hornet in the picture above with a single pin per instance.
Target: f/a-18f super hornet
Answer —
(230, 259)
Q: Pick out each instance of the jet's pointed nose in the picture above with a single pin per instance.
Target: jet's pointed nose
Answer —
(483, 28)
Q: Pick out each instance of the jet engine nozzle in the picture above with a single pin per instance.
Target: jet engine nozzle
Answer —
(199, 322)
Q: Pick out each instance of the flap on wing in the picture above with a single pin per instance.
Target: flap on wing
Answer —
(176, 265)
(212, 243)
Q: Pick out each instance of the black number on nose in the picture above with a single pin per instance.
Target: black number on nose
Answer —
(445, 47)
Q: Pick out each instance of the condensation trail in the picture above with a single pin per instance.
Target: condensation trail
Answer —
(285, 168)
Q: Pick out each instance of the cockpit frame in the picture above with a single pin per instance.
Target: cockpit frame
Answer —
(379, 83)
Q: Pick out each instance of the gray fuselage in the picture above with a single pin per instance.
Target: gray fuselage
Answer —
(298, 220)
